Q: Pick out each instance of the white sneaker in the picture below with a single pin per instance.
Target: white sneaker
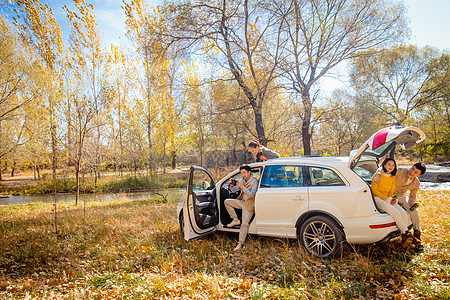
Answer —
(238, 247)
(235, 222)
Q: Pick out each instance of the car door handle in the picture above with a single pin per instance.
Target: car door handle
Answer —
(300, 198)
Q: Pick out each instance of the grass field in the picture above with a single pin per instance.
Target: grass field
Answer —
(134, 250)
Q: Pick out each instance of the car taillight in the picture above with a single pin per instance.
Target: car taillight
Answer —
(382, 225)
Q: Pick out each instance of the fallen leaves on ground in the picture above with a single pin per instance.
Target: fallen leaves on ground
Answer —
(133, 249)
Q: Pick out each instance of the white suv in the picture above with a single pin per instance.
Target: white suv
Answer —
(322, 201)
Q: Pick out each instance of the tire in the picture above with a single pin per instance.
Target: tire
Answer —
(322, 237)
(181, 222)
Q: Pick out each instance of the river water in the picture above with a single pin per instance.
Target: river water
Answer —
(169, 193)
(443, 186)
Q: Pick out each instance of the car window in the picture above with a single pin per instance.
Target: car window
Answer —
(324, 177)
(256, 172)
(282, 176)
(379, 151)
(365, 168)
(201, 181)
(363, 173)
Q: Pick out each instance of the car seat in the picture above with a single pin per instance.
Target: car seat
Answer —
(277, 178)
(317, 176)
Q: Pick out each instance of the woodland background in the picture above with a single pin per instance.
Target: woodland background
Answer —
(197, 80)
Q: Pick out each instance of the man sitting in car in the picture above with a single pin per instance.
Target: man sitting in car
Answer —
(246, 201)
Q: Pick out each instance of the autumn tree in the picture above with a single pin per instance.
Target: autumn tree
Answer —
(232, 118)
(138, 17)
(240, 36)
(396, 81)
(36, 150)
(439, 83)
(197, 128)
(158, 105)
(88, 66)
(346, 121)
(121, 78)
(434, 117)
(84, 113)
(322, 34)
(19, 86)
(16, 73)
(136, 13)
(40, 31)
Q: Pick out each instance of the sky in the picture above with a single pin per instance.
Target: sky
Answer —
(429, 20)
(109, 13)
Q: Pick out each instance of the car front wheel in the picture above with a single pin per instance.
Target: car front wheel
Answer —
(321, 237)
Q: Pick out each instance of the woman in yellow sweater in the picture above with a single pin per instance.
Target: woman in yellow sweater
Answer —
(383, 190)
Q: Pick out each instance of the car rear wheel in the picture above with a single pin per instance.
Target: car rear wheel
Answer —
(322, 237)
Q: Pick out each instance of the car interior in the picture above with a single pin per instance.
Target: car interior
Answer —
(283, 176)
(365, 169)
(225, 193)
(316, 176)
(324, 177)
(205, 210)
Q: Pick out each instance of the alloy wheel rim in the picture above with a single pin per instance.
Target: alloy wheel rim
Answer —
(319, 239)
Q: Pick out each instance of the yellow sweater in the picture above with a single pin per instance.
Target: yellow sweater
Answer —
(385, 188)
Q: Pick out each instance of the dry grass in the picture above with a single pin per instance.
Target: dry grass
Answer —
(133, 250)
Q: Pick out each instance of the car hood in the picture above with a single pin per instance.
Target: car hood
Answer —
(380, 143)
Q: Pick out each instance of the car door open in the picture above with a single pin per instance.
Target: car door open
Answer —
(200, 211)
(384, 140)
